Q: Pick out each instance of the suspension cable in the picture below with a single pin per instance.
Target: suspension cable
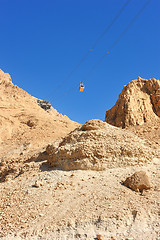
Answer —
(92, 48)
(113, 45)
(117, 40)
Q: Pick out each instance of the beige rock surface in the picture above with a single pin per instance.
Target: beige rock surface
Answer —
(149, 131)
(80, 205)
(138, 182)
(98, 146)
(139, 102)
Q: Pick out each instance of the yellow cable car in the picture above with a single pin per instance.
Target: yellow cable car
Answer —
(81, 88)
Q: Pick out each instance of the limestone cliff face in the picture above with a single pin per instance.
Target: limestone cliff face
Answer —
(139, 102)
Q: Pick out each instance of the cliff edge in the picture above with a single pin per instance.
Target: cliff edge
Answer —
(138, 103)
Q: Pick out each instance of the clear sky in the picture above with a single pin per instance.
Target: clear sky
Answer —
(41, 42)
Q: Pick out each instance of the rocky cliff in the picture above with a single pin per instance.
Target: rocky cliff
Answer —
(139, 102)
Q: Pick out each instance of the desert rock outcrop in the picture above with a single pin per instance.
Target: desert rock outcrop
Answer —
(97, 146)
(5, 78)
(139, 102)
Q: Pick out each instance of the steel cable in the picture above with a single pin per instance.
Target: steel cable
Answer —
(113, 45)
(92, 48)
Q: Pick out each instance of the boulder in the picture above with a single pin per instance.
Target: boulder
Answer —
(138, 182)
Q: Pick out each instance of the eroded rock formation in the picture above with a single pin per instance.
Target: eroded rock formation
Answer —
(98, 146)
(139, 102)
(5, 77)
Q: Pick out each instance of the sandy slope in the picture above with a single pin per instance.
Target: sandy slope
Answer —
(54, 204)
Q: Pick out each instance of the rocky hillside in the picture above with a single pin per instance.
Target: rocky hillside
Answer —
(23, 119)
(25, 127)
(48, 187)
(138, 103)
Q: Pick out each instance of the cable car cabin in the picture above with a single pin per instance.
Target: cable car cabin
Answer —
(81, 88)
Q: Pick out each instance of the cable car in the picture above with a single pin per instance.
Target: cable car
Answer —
(81, 88)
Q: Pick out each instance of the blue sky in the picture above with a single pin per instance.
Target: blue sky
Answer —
(41, 42)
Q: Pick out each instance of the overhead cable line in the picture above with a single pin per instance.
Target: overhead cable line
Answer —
(93, 46)
(117, 40)
(110, 25)
(114, 44)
